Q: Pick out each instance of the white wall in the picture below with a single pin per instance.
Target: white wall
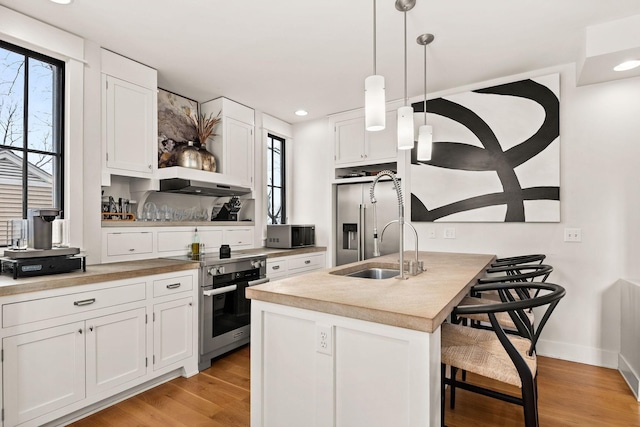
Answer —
(600, 148)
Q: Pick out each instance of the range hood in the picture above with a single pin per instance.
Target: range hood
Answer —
(200, 188)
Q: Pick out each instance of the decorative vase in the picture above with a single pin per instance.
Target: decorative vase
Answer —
(208, 161)
(189, 156)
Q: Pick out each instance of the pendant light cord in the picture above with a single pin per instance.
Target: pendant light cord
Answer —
(374, 38)
(405, 58)
(425, 84)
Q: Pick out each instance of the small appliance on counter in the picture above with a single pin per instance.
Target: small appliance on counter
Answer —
(289, 236)
(228, 211)
(40, 258)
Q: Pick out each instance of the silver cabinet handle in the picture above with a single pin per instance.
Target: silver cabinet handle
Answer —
(219, 291)
(308, 261)
(173, 286)
(275, 267)
(84, 302)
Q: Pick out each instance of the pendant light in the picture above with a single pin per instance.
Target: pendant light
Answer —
(405, 114)
(374, 99)
(425, 132)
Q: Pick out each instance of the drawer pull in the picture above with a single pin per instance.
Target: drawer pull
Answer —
(275, 267)
(132, 250)
(80, 331)
(173, 286)
(308, 261)
(84, 302)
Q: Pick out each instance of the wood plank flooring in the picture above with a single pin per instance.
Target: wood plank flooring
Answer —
(571, 394)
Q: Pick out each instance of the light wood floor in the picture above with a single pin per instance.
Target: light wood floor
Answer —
(571, 394)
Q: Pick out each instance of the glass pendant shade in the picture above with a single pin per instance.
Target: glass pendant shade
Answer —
(425, 142)
(374, 103)
(405, 128)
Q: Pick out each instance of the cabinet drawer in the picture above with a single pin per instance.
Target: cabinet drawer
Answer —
(49, 308)
(172, 285)
(276, 268)
(309, 262)
(238, 237)
(129, 243)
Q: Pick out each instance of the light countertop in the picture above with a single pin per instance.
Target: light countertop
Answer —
(421, 302)
(94, 274)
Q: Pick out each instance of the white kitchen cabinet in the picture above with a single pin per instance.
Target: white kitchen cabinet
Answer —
(233, 146)
(172, 332)
(355, 146)
(136, 243)
(129, 117)
(340, 371)
(115, 349)
(43, 371)
(293, 265)
(69, 348)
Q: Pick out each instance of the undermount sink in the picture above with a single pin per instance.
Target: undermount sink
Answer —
(371, 270)
(375, 273)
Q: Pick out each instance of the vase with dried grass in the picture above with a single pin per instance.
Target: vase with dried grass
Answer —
(205, 128)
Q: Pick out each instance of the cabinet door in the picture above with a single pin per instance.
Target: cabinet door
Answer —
(115, 349)
(43, 371)
(172, 332)
(349, 141)
(128, 126)
(238, 144)
(381, 145)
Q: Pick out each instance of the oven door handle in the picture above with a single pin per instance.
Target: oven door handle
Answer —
(219, 291)
(258, 282)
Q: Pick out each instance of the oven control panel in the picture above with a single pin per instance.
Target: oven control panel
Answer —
(216, 270)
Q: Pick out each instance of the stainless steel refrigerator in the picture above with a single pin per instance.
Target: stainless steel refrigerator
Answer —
(354, 221)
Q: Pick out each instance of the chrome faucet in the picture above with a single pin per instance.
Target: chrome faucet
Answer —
(415, 267)
(396, 185)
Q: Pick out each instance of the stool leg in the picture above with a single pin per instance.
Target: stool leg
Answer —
(452, 400)
(443, 372)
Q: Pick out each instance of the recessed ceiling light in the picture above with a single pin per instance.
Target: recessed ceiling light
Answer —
(62, 1)
(627, 65)
(301, 113)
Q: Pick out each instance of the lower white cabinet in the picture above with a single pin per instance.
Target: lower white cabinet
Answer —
(115, 349)
(172, 332)
(293, 265)
(66, 349)
(43, 371)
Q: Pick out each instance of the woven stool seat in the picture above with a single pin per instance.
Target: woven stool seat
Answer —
(479, 351)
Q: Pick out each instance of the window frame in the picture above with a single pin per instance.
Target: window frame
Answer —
(283, 174)
(58, 127)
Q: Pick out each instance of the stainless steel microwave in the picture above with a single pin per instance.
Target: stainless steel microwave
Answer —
(290, 236)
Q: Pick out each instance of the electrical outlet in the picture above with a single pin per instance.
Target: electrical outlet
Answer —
(324, 339)
(573, 235)
(449, 233)
(431, 233)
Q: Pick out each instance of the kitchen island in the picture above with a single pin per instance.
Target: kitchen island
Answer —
(332, 350)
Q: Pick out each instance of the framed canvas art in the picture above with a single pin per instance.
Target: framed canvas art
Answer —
(496, 155)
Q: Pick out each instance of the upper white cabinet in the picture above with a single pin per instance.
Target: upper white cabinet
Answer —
(354, 145)
(233, 146)
(129, 117)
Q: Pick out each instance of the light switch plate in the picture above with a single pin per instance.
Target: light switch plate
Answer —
(573, 235)
(449, 233)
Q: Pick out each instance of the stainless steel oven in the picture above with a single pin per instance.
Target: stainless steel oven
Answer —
(224, 310)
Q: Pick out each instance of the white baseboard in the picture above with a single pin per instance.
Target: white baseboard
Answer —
(629, 375)
(578, 353)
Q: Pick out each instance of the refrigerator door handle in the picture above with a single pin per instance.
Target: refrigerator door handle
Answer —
(362, 236)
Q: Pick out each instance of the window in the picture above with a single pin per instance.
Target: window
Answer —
(276, 213)
(31, 129)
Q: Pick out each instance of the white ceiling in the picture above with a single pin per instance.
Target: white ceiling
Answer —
(281, 55)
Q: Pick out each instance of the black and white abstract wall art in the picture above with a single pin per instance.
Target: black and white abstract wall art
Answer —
(496, 155)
